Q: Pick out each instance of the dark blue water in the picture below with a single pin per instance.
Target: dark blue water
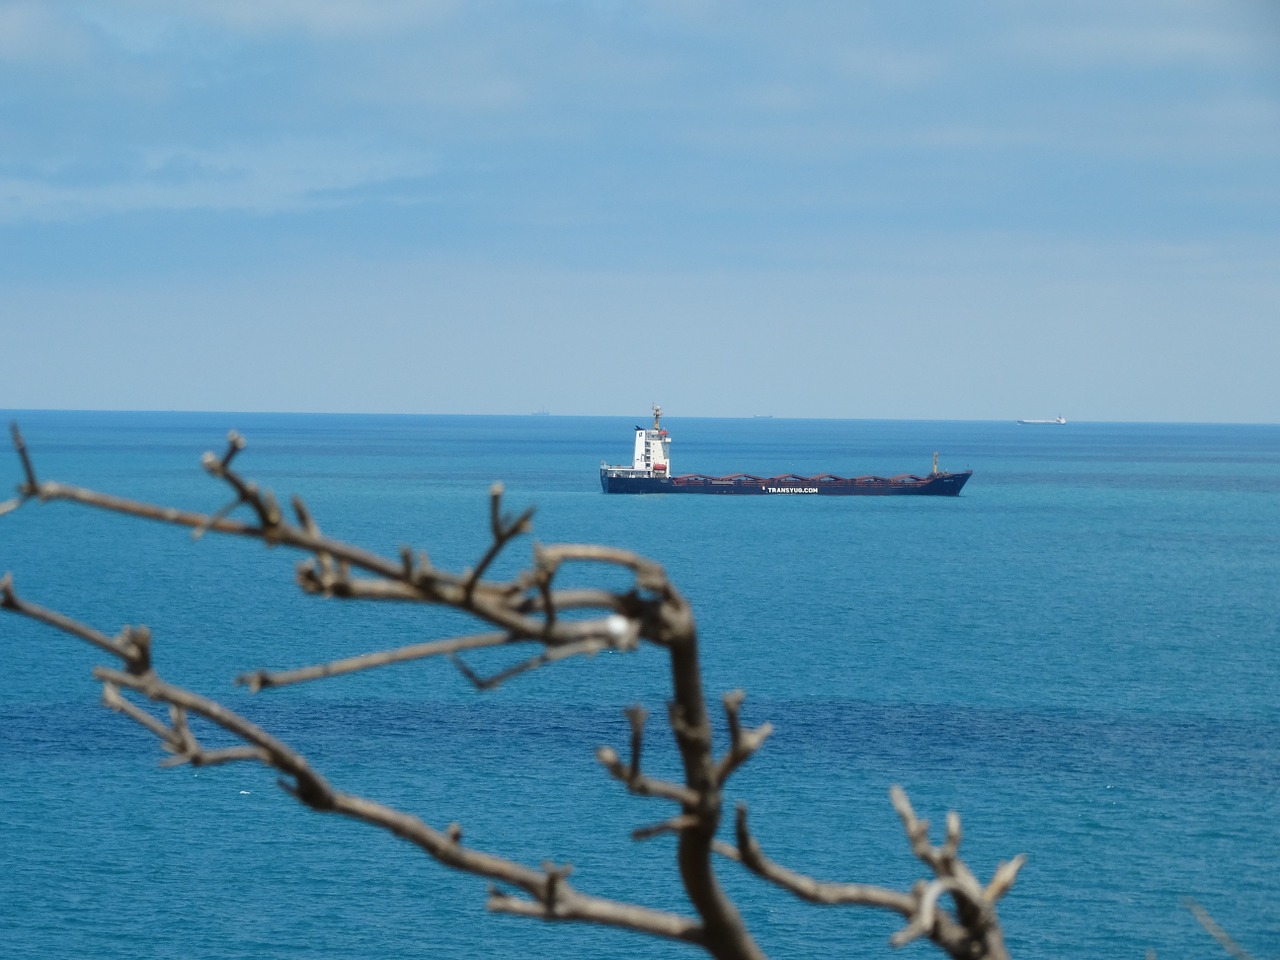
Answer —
(1080, 654)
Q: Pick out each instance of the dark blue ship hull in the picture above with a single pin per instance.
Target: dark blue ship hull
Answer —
(933, 485)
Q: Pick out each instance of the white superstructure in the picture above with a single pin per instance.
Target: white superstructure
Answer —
(653, 447)
(652, 455)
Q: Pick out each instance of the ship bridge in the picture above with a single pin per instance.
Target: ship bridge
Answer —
(653, 448)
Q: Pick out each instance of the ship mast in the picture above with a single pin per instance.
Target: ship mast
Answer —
(657, 417)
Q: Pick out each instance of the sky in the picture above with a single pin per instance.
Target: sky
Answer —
(917, 210)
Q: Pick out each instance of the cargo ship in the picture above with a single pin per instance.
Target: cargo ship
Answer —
(650, 472)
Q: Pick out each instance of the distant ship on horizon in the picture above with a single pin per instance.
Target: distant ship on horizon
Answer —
(650, 472)
(1059, 419)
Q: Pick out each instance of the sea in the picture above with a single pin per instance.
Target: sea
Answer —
(1080, 655)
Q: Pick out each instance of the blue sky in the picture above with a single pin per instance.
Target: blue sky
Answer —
(947, 210)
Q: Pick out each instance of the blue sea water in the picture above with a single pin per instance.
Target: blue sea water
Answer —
(1081, 655)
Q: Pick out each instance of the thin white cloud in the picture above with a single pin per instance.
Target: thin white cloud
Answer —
(1168, 33)
(32, 33)
(324, 18)
(271, 178)
(579, 105)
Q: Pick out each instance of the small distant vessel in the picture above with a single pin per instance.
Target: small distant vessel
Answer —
(650, 472)
(1059, 419)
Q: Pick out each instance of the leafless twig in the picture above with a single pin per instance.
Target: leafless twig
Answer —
(1225, 940)
(973, 933)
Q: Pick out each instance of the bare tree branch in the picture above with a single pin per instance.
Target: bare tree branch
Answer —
(973, 934)
(1225, 941)
(29, 487)
(503, 605)
(112, 700)
(548, 656)
(504, 531)
(261, 679)
(552, 897)
(131, 646)
(525, 610)
(742, 743)
(674, 825)
(750, 855)
(645, 786)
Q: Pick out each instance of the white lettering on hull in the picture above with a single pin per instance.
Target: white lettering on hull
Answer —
(789, 489)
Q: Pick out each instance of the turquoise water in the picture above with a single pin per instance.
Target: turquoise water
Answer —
(1080, 654)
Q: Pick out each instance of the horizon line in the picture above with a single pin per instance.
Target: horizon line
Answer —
(540, 414)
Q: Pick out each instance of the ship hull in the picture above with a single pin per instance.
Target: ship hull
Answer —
(934, 485)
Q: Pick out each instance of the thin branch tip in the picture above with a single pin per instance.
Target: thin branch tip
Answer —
(31, 486)
(607, 756)
(235, 443)
(253, 681)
